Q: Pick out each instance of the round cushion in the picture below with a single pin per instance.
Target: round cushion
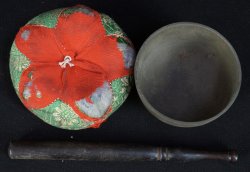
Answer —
(72, 67)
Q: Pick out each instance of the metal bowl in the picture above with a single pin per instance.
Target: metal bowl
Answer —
(187, 74)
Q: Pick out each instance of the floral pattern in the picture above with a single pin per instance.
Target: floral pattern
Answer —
(121, 88)
(18, 63)
(47, 19)
(111, 27)
(54, 88)
(60, 115)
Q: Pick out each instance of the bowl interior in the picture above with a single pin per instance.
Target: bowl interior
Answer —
(187, 72)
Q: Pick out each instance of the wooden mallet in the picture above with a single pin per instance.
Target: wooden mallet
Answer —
(110, 152)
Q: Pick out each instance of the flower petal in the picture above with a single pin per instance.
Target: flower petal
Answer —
(101, 100)
(78, 30)
(40, 85)
(107, 55)
(38, 44)
(79, 83)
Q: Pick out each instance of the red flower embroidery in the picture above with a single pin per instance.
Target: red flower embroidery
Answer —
(68, 62)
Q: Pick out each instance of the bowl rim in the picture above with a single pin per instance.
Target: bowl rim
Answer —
(165, 118)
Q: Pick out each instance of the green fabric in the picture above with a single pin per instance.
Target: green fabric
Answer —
(17, 64)
(111, 26)
(60, 115)
(122, 40)
(121, 88)
(75, 9)
(48, 19)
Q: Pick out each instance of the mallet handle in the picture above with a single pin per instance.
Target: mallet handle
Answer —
(109, 152)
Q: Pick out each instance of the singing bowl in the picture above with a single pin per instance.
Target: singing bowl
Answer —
(187, 74)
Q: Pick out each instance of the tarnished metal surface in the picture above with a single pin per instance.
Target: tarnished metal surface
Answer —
(187, 74)
(110, 152)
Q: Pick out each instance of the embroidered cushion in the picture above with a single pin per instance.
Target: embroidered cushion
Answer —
(72, 67)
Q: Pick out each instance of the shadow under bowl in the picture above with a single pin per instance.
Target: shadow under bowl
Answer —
(187, 74)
